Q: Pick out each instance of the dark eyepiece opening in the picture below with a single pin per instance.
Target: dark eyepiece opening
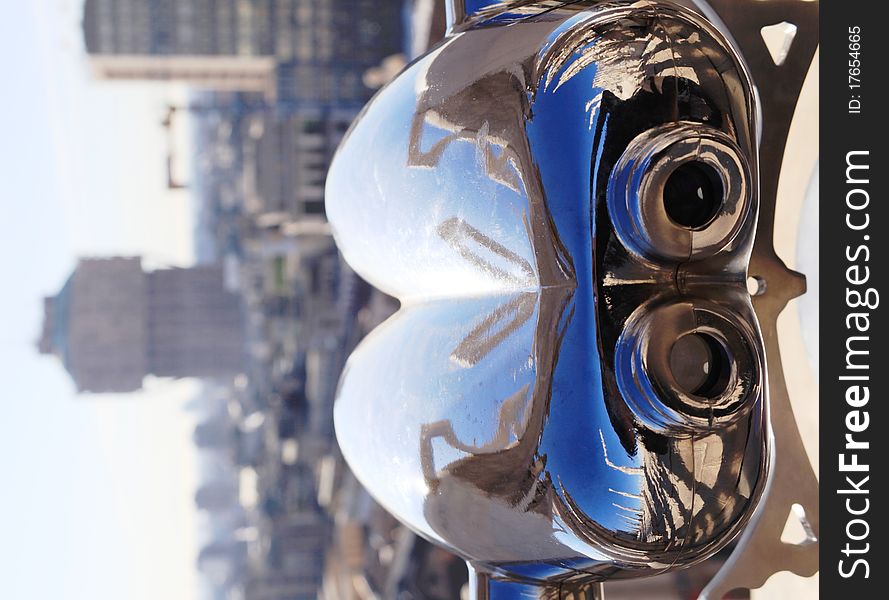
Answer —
(693, 195)
(701, 365)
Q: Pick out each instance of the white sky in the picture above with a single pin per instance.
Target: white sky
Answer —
(96, 491)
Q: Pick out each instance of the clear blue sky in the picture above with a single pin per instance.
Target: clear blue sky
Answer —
(97, 491)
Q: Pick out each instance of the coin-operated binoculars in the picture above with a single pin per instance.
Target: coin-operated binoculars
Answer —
(569, 200)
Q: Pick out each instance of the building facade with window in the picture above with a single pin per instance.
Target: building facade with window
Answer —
(113, 323)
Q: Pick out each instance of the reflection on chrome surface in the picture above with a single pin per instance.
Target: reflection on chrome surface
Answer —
(573, 389)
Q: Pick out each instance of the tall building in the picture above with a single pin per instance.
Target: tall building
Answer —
(113, 323)
(180, 27)
(320, 48)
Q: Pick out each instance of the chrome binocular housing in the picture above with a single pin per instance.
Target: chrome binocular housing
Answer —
(564, 197)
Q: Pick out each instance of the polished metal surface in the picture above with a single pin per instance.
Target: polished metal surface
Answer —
(653, 192)
(564, 198)
(488, 586)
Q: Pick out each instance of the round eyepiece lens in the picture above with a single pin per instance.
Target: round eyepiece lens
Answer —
(701, 365)
(693, 195)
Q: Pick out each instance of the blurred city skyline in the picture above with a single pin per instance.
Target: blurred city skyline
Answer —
(99, 491)
(109, 483)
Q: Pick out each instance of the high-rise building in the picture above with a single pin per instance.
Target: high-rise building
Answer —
(320, 48)
(113, 323)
